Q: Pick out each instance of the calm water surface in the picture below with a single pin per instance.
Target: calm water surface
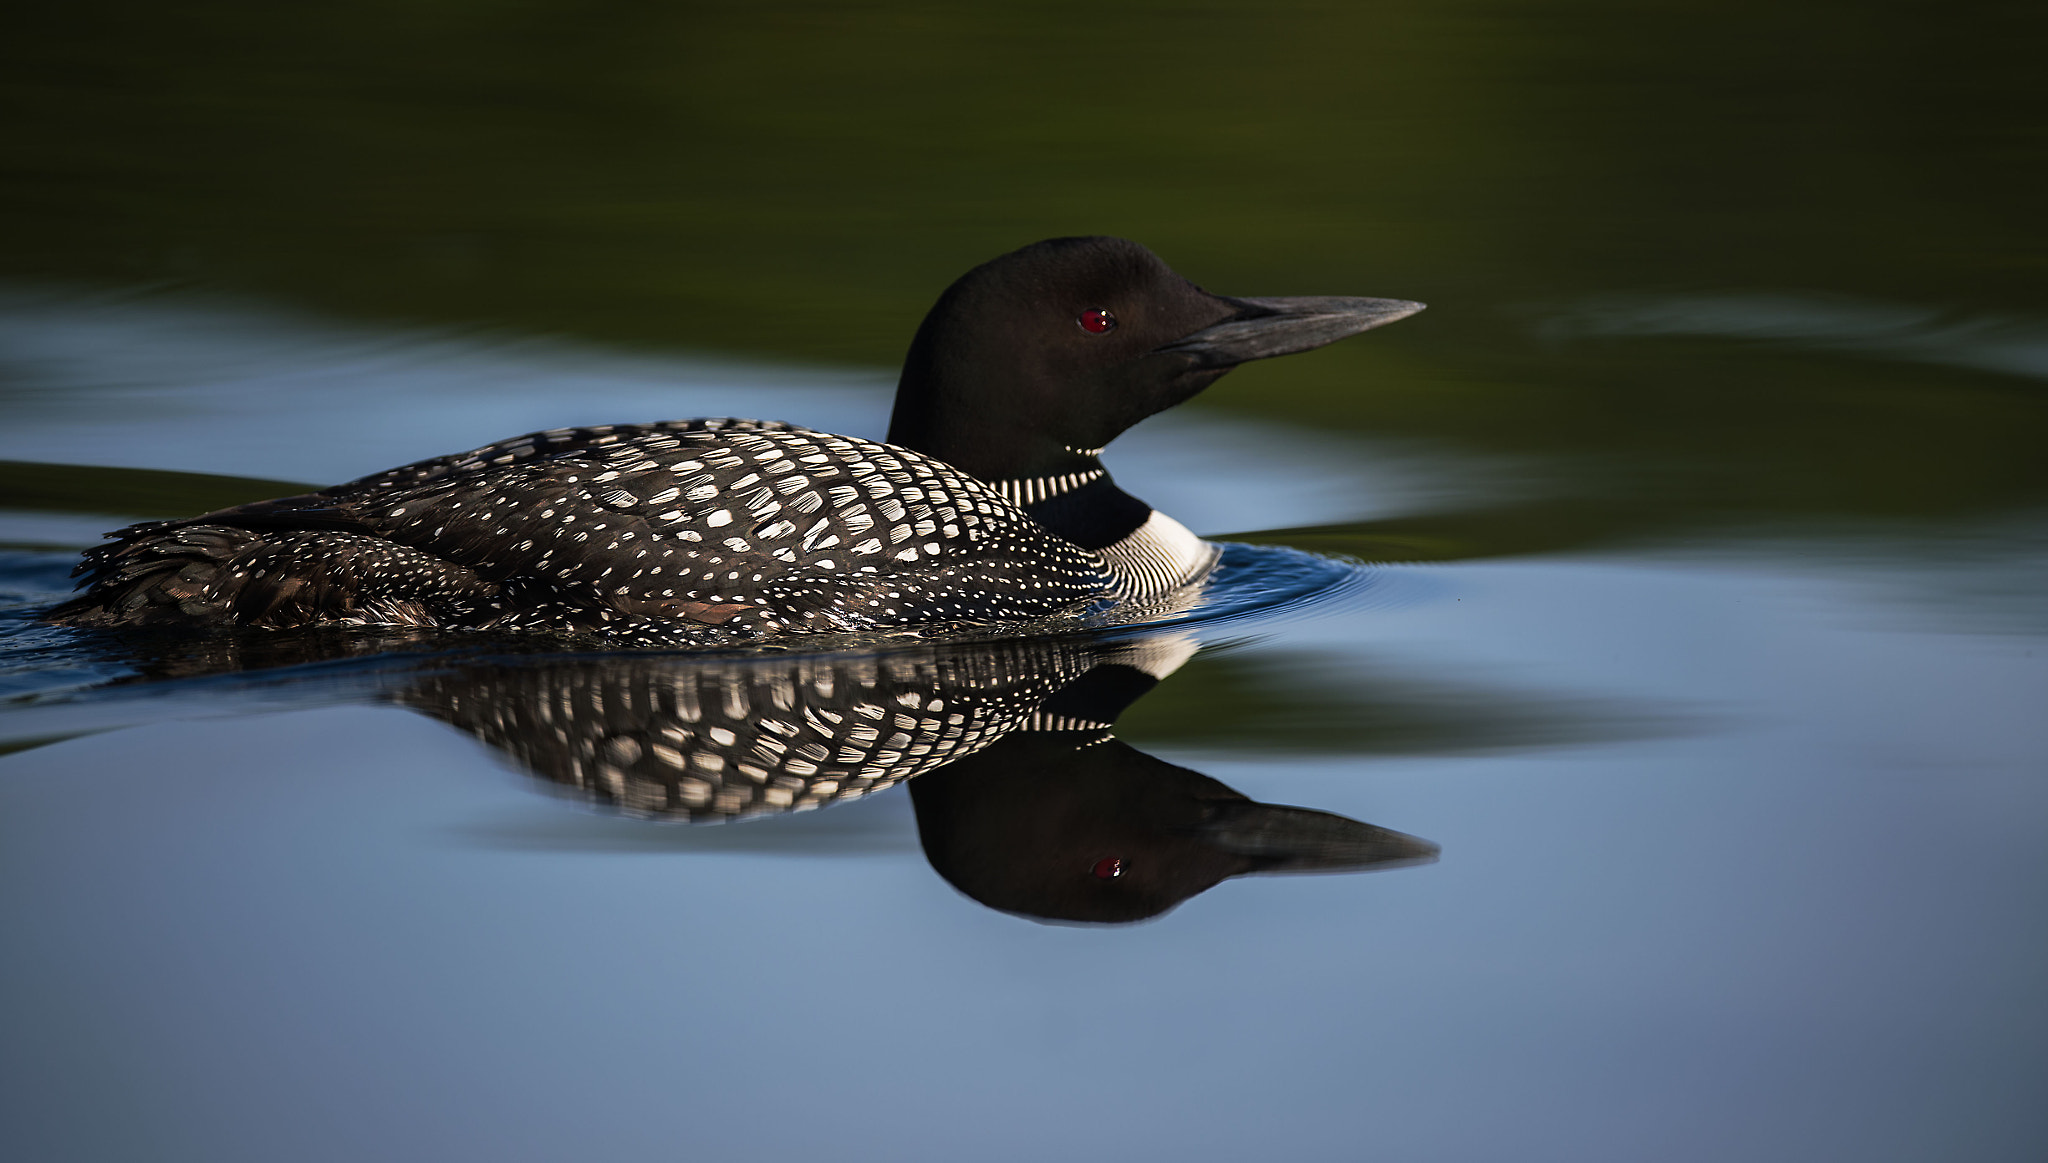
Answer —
(1676, 582)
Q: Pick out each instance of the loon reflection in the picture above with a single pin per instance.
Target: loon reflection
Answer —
(1025, 799)
(1060, 820)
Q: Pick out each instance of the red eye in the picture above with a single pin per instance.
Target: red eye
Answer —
(1109, 867)
(1097, 320)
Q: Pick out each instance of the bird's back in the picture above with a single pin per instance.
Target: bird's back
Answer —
(680, 531)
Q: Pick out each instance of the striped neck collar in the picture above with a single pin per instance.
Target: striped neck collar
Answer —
(1022, 491)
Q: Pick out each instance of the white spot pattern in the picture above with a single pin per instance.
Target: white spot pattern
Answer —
(708, 740)
(581, 530)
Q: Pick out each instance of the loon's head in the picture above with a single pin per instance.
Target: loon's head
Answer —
(1031, 362)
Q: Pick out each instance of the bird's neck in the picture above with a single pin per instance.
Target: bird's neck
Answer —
(1078, 501)
(1149, 553)
(1062, 487)
(995, 423)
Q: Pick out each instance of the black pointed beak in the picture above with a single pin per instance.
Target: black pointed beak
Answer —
(1282, 839)
(1263, 328)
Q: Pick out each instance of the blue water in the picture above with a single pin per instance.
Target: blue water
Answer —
(1740, 847)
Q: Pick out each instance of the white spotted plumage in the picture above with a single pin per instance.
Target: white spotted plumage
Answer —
(674, 532)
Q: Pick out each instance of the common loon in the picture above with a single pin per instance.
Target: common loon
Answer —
(987, 505)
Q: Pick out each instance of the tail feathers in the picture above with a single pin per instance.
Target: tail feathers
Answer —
(161, 574)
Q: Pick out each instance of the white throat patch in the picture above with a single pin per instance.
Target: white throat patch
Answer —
(1159, 557)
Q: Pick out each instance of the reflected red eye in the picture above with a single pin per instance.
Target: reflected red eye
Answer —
(1097, 320)
(1109, 868)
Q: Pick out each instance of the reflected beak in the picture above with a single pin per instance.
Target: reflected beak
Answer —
(1264, 328)
(1282, 839)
